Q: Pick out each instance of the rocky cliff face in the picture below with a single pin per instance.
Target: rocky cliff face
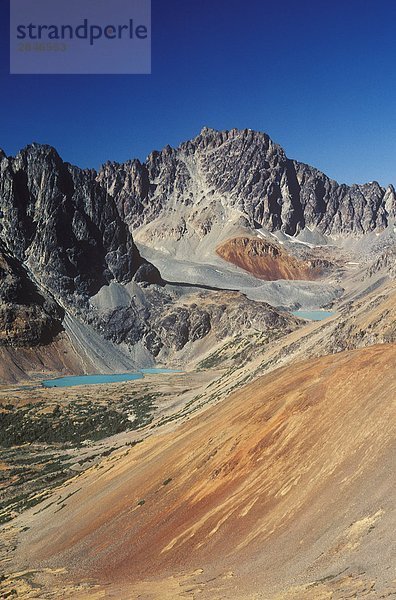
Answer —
(61, 240)
(61, 223)
(27, 317)
(385, 263)
(244, 171)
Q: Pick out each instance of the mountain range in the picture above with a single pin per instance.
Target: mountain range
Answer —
(119, 255)
(264, 466)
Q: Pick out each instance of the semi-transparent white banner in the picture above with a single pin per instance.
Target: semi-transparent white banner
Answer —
(80, 36)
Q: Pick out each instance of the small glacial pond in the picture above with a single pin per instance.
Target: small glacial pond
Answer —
(313, 315)
(97, 379)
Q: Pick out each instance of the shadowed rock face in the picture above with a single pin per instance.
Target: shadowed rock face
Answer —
(61, 222)
(62, 239)
(243, 170)
(27, 317)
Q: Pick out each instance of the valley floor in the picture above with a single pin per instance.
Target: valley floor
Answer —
(285, 490)
(267, 472)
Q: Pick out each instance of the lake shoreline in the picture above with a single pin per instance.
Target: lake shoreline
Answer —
(100, 379)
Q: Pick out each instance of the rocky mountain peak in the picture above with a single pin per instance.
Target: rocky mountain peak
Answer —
(212, 138)
(67, 231)
(243, 170)
(63, 224)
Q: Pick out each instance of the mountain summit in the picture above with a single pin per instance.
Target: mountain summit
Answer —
(243, 170)
(91, 245)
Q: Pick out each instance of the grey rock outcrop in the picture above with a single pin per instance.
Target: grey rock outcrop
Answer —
(168, 320)
(61, 223)
(27, 317)
(385, 263)
(243, 170)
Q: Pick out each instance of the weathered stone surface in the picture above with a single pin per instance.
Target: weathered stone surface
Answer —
(246, 171)
(63, 224)
(168, 321)
(147, 273)
(385, 263)
(27, 317)
(269, 261)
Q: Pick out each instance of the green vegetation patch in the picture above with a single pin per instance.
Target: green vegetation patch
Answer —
(73, 423)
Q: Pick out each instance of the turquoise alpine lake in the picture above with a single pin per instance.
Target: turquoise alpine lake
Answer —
(313, 315)
(101, 379)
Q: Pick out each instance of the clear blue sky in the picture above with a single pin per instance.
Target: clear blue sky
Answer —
(318, 76)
